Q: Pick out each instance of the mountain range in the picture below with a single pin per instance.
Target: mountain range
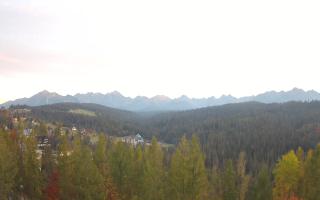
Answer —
(160, 102)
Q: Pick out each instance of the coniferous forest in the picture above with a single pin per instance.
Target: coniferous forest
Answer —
(115, 170)
(73, 167)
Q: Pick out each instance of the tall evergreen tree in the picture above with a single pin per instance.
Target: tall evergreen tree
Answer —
(187, 172)
(199, 179)
(243, 178)
(32, 180)
(138, 173)
(100, 159)
(154, 172)
(8, 169)
(311, 189)
(48, 164)
(65, 170)
(262, 189)
(230, 191)
(216, 184)
(121, 165)
(87, 180)
(287, 174)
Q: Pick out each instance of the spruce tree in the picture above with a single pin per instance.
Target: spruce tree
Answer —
(230, 191)
(262, 189)
(187, 172)
(287, 174)
(154, 172)
(101, 161)
(311, 182)
(65, 170)
(121, 165)
(243, 178)
(199, 179)
(8, 169)
(32, 180)
(137, 177)
(87, 180)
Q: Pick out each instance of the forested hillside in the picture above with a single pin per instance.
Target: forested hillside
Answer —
(263, 131)
(230, 152)
(90, 116)
(109, 170)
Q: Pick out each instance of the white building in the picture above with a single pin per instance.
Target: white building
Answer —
(133, 139)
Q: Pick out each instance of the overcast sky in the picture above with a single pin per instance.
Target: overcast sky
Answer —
(145, 47)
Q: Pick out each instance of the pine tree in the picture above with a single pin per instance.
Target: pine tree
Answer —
(138, 173)
(301, 158)
(154, 172)
(87, 180)
(8, 169)
(179, 174)
(48, 164)
(311, 182)
(32, 180)
(243, 178)
(216, 184)
(187, 172)
(100, 159)
(16, 144)
(262, 189)
(229, 182)
(121, 165)
(65, 170)
(287, 174)
(199, 179)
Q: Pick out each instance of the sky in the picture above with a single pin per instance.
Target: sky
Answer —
(197, 48)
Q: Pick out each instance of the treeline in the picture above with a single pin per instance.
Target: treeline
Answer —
(104, 119)
(115, 170)
(263, 131)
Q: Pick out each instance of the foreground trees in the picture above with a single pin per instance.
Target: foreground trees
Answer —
(187, 175)
(114, 170)
(8, 169)
(154, 172)
(286, 177)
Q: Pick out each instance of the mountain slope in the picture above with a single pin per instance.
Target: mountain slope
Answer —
(162, 103)
(89, 116)
(42, 98)
(263, 131)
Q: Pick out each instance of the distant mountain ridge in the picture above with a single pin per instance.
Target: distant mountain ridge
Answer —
(160, 102)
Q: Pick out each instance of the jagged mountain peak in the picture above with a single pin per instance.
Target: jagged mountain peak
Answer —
(115, 93)
(161, 102)
(45, 93)
(160, 98)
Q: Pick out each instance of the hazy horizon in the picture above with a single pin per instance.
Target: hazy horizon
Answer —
(147, 48)
(3, 101)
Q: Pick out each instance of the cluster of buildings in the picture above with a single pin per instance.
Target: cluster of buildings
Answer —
(132, 139)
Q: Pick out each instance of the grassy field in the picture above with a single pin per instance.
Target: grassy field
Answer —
(83, 112)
